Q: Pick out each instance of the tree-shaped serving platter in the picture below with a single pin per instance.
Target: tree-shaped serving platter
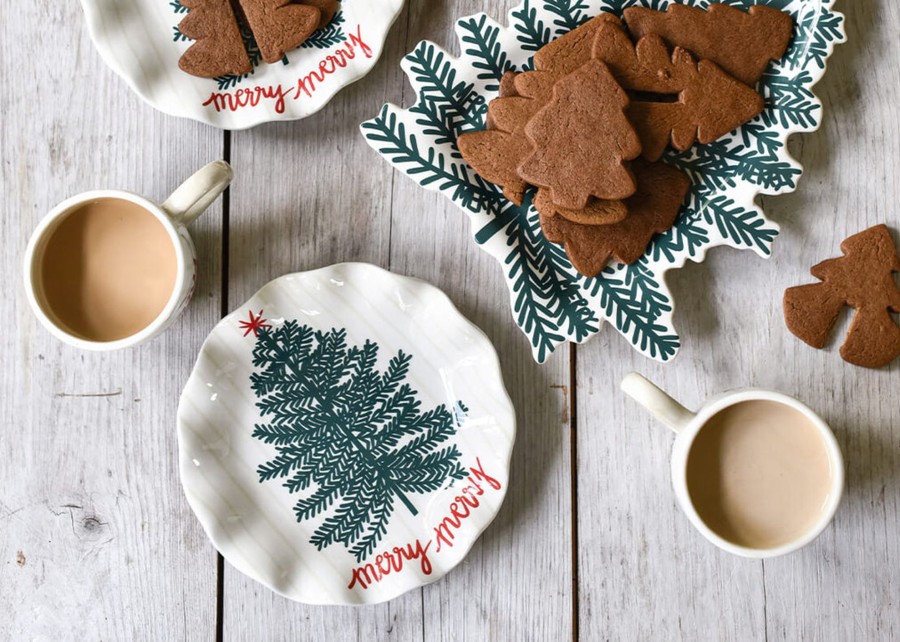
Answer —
(140, 40)
(345, 435)
(551, 302)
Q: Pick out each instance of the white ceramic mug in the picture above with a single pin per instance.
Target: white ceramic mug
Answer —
(185, 204)
(687, 425)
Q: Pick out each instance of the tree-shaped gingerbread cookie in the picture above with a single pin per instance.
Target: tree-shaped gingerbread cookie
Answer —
(218, 48)
(863, 279)
(582, 140)
(704, 102)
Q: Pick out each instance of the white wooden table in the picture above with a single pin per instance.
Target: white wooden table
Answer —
(98, 542)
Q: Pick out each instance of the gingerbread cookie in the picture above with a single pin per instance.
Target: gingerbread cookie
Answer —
(507, 90)
(741, 43)
(570, 51)
(652, 209)
(581, 140)
(709, 103)
(494, 157)
(279, 25)
(596, 212)
(327, 9)
(863, 279)
(218, 48)
(508, 85)
(495, 154)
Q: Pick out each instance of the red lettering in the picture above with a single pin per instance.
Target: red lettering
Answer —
(468, 498)
(478, 473)
(357, 41)
(365, 575)
(397, 559)
(378, 562)
(443, 532)
(387, 563)
(244, 97)
(306, 84)
(454, 510)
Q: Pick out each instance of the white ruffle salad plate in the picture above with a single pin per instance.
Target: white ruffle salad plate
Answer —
(345, 435)
(140, 41)
(551, 302)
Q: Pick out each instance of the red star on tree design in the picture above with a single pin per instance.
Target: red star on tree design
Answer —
(255, 324)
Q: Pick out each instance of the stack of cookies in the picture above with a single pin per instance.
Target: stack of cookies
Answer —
(588, 126)
(277, 26)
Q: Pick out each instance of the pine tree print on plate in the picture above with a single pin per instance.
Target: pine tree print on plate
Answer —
(356, 436)
(550, 301)
(345, 435)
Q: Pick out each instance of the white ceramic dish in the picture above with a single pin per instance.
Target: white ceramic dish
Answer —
(550, 301)
(391, 494)
(140, 41)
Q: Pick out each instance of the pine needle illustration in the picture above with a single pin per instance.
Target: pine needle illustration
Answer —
(350, 439)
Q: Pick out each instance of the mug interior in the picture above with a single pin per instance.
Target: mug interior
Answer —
(40, 271)
(704, 475)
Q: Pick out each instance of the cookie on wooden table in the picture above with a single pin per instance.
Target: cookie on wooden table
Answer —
(863, 279)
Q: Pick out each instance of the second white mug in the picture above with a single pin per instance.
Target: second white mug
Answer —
(749, 464)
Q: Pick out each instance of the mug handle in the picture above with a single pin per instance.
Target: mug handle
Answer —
(198, 192)
(660, 405)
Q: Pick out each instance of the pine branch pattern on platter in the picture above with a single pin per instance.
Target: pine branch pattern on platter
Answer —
(550, 301)
(350, 440)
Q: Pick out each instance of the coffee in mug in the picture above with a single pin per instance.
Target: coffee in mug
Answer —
(756, 472)
(108, 270)
(759, 474)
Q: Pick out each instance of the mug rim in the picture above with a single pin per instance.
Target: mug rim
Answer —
(40, 233)
(685, 440)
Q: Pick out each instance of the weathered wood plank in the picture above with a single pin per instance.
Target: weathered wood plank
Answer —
(309, 194)
(643, 572)
(96, 539)
(516, 583)
(846, 585)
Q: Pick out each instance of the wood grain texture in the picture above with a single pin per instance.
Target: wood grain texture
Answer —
(340, 202)
(309, 194)
(516, 584)
(644, 572)
(97, 542)
(96, 539)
